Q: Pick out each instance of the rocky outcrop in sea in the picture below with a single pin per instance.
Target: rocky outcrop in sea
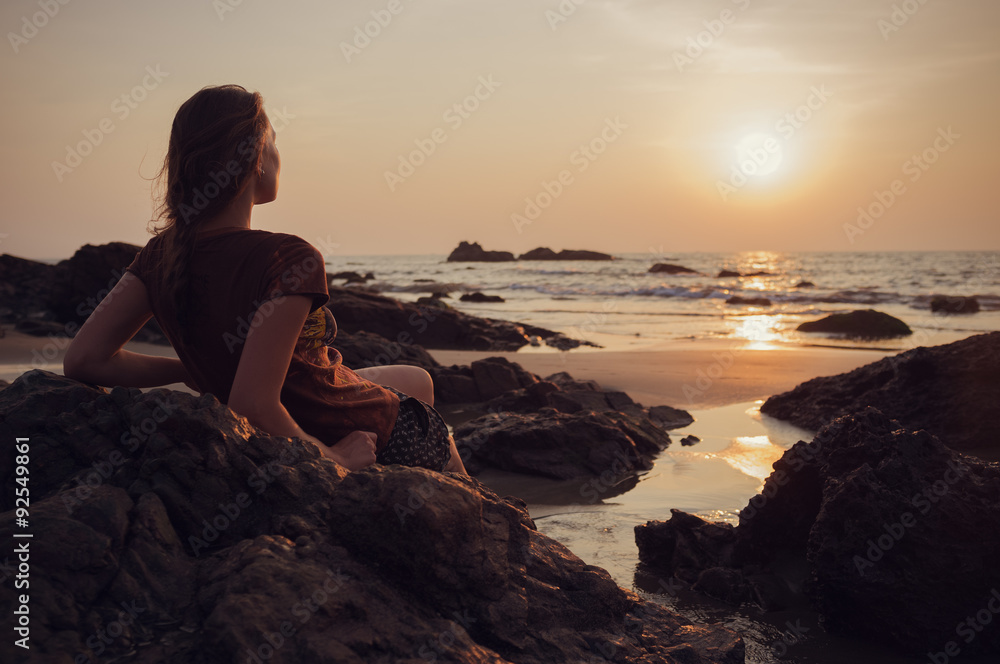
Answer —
(859, 324)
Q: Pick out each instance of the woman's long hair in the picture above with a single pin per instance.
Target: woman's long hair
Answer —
(216, 142)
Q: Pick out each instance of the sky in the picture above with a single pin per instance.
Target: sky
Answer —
(406, 126)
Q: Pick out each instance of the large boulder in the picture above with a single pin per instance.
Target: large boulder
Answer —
(165, 528)
(82, 281)
(859, 324)
(25, 288)
(558, 427)
(886, 531)
(55, 300)
(943, 389)
(466, 252)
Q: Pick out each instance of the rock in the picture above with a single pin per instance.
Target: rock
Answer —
(805, 284)
(65, 293)
(180, 533)
(81, 282)
(365, 349)
(859, 324)
(349, 277)
(479, 382)
(687, 441)
(432, 326)
(749, 301)
(25, 288)
(433, 300)
(558, 427)
(732, 273)
(955, 304)
(669, 268)
(546, 254)
(884, 529)
(474, 252)
(559, 445)
(669, 417)
(480, 297)
(495, 375)
(42, 328)
(943, 389)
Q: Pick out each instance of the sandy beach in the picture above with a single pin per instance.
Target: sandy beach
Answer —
(690, 375)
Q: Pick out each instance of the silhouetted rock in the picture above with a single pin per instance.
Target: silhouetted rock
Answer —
(668, 268)
(432, 326)
(25, 288)
(888, 532)
(749, 301)
(166, 529)
(954, 304)
(859, 324)
(81, 282)
(350, 277)
(560, 445)
(943, 389)
(42, 328)
(465, 252)
(805, 284)
(558, 427)
(732, 273)
(480, 297)
(65, 293)
(546, 254)
(365, 349)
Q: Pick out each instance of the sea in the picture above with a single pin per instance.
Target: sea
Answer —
(620, 304)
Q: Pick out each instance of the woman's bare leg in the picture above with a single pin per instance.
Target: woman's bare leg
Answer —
(413, 381)
(455, 465)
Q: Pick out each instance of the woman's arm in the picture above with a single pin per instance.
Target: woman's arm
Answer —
(95, 355)
(256, 391)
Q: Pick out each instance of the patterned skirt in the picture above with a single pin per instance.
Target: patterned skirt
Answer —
(419, 437)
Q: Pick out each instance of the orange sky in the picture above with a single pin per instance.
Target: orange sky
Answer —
(611, 125)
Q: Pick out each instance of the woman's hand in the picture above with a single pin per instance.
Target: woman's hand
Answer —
(354, 451)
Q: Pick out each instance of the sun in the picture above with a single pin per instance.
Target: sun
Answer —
(758, 155)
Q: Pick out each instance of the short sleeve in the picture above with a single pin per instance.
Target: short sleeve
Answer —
(140, 265)
(296, 268)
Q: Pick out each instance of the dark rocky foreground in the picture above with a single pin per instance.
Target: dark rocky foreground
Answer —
(168, 530)
(890, 534)
(949, 390)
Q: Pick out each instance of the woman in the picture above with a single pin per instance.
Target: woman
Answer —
(244, 310)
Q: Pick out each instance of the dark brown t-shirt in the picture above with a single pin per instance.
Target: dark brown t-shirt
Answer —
(235, 273)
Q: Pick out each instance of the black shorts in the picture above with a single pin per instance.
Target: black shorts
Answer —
(419, 437)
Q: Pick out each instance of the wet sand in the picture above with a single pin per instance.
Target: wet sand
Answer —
(689, 375)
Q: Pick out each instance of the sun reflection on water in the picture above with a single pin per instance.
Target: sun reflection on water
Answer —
(760, 331)
(752, 455)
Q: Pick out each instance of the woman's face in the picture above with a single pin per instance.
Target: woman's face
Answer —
(270, 164)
